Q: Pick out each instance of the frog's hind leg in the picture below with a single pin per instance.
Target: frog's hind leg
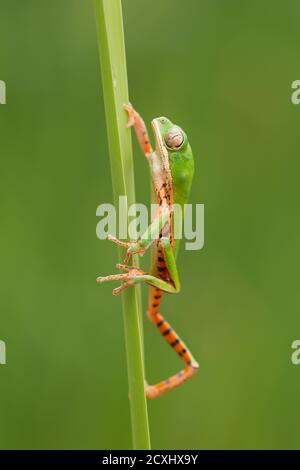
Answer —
(165, 329)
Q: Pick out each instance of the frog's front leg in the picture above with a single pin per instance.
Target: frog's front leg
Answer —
(128, 278)
(161, 219)
(134, 119)
(136, 275)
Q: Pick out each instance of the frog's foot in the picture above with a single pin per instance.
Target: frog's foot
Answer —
(118, 242)
(125, 267)
(124, 286)
(131, 114)
(128, 278)
(132, 248)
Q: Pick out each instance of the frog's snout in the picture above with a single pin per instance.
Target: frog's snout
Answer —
(162, 120)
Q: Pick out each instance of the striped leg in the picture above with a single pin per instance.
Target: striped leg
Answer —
(140, 129)
(191, 367)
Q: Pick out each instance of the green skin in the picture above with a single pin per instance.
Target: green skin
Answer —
(171, 164)
(181, 162)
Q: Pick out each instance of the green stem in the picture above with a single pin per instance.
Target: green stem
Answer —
(115, 91)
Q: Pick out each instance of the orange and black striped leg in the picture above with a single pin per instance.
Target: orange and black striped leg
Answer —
(134, 119)
(191, 366)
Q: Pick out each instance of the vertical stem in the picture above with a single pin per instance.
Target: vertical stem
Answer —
(115, 91)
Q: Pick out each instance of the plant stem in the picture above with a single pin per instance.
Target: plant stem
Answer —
(115, 91)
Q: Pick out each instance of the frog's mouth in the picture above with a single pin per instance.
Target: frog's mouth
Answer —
(164, 155)
(160, 144)
(157, 133)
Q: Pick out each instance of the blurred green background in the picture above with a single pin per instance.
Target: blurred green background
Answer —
(223, 71)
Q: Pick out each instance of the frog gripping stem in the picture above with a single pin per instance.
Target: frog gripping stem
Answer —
(163, 276)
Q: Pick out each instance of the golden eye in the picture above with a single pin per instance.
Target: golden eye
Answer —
(174, 138)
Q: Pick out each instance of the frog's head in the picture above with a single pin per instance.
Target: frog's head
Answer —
(170, 140)
(176, 154)
(168, 135)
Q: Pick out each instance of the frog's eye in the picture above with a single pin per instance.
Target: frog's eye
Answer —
(174, 138)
